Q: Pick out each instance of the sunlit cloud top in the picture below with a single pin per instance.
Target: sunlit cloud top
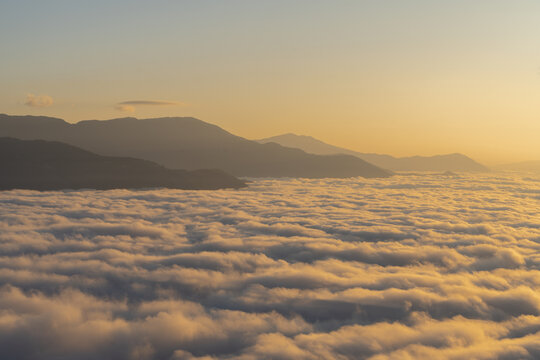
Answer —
(409, 267)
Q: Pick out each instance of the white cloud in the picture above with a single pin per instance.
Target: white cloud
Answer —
(38, 100)
(407, 267)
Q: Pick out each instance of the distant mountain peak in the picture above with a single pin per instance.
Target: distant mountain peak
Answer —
(445, 162)
(40, 118)
(189, 143)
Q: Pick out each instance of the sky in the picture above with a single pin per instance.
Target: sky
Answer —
(416, 77)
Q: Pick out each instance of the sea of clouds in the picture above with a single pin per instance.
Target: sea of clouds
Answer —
(410, 267)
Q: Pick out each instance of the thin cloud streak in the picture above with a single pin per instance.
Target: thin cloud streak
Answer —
(125, 108)
(152, 103)
(131, 105)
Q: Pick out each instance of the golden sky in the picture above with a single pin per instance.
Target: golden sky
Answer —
(397, 77)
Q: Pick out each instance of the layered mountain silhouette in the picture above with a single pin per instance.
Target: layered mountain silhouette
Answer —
(187, 143)
(449, 162)
(51, 165)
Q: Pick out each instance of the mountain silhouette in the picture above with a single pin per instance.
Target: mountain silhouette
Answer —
(187, 143)
(51, 165)
(449, 162)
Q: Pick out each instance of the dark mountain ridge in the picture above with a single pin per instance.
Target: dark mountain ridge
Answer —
(187, 143)
(51, 165)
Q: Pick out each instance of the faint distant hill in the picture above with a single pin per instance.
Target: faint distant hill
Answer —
(526, 166)
(450, 162)
(51, 165)
(187, 143)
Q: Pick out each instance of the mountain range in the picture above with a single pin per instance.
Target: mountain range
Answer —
(449, 162)
(187, 143)
(51, 165)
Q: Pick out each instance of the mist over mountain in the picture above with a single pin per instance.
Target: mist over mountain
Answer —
(527, 166)
(187, 143)
(448, 162)
(50, 165)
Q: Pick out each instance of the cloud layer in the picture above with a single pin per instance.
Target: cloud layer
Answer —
(411, 267)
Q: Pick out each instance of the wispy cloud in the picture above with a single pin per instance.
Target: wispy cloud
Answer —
(130, 106)
(38, 100)
(151, 102)
(124, 108)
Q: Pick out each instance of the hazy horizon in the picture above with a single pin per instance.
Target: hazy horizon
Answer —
(401, 78)
(495, 163)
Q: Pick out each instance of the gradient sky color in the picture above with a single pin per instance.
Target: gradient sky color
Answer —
(394, 76)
